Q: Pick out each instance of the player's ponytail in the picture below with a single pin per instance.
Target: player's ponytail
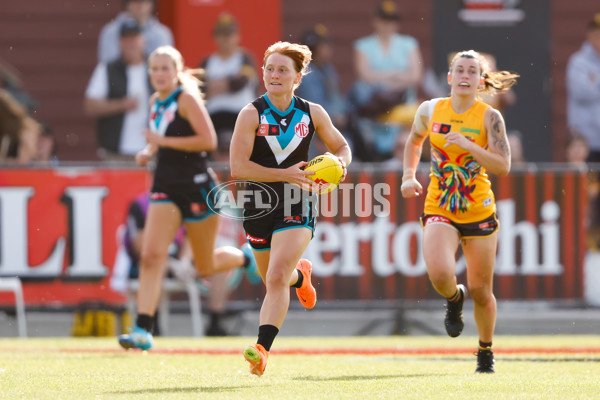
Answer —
(499, 80)
(191, 81)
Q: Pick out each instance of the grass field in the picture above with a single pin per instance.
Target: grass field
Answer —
(376, 367)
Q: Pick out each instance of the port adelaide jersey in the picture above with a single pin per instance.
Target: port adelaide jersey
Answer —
(282, 138)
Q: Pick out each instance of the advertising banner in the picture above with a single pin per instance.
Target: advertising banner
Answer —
(368, 239)
(58, 230)
(58, 233)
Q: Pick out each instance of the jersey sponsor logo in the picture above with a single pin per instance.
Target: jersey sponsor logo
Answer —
(268, 130)
(254, 239)
(487, 226)
(437, 127)
(197, 208)
(283, 122)
(293, 219)
(159, 196)
(436, 219)
(487, 202)
(301, 129)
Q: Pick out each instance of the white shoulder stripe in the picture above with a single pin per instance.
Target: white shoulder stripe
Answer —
(432, 104)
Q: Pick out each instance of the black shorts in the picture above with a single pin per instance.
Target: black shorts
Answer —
(192, 199)
(259, 231)
(482, 228)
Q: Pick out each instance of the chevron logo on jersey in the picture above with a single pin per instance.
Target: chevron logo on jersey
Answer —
(284, 142)
(160, 118)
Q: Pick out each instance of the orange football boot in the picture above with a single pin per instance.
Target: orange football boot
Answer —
(257, 356)
(307, 293)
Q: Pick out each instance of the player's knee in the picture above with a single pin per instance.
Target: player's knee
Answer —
(277, 278)
(151, 258)
(206, 267)
(481, 294)
(440, 277)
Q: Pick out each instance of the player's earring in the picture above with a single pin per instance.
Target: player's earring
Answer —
(449, 79)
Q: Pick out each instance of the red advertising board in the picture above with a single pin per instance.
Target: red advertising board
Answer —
(359, 253)
(58, 230)
(58, 233)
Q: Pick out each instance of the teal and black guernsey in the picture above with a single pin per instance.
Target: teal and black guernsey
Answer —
(174, 166)
(282, 139)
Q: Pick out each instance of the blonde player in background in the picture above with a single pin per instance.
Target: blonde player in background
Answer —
(181, 134)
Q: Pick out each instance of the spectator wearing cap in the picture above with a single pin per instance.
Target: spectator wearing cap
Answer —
(389, 69)
(118, 94)
(583, 90)
(155, 33)
(321, 85)
(230, 81)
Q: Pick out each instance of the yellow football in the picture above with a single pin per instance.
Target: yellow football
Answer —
(328, 172)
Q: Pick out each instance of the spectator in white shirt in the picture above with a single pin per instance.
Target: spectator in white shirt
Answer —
(118, 94)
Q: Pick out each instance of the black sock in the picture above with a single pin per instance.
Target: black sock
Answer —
(266, 335)
(155, 326)
(145, 321)
(485, 345)
(247, 261)
(300, 280)
(215, 318)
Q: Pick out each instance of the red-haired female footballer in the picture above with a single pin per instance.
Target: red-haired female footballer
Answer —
(268, 149)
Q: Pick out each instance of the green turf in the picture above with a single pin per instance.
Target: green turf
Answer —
(69, 368)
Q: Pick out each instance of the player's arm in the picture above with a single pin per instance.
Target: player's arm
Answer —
(143, 156)
(412, 152)
(240, 150)
(330, 135)
(193, 110)
(496, 158)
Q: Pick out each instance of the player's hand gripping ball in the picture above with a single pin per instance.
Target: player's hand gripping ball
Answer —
(329, 172)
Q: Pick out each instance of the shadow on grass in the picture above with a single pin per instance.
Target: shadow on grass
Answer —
(362, 377)
(194, 389)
